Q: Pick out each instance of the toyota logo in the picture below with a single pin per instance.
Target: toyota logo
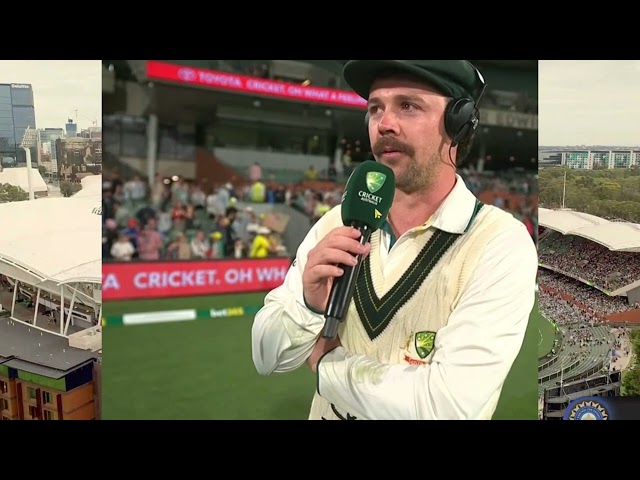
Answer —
(187, 74)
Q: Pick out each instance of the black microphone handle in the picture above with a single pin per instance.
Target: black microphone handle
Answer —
(343, 288)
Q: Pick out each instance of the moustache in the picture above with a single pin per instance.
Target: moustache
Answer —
(394, 144)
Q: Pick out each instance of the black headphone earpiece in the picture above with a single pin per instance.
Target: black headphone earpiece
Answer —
(460, 120)
(462, 115)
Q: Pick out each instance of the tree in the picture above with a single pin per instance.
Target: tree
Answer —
(11, 193)
(605, 193)
(67, 188)
(631, 377)
(631, 381)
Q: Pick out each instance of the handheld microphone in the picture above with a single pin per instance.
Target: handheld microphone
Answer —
(366, 202)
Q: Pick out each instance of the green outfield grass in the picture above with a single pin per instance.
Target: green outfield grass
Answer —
(519, 400)
(203, 369)
(546, 336)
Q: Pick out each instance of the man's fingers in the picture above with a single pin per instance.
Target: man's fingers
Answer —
(349, 232)
(332, 256)
(322, 272)
(345, 244)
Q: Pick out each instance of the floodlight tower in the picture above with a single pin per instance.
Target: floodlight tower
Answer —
(29, 139)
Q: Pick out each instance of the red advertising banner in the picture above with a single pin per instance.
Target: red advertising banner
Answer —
(128, 281)
(254, 85)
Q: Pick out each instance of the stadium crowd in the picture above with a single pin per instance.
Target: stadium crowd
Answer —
(583, 296)
(514, 192)
(177, 219)
(182, 219)
(589, 260)
(576, 309)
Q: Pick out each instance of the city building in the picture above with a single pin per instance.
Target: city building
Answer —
(46, 379)
(78, 157)
(17, 113)
(48, 157)
(71, 128)
(590, 158)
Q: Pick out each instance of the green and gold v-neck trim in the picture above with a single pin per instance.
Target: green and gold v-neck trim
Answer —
(376, 313)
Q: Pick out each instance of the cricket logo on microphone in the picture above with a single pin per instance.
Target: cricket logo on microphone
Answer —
(374, 182)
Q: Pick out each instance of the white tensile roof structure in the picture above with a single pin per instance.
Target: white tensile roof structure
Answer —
(55, 244)
(616, 236)
(18, 177)
(91, 187)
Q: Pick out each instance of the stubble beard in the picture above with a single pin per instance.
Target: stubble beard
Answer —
(419, 178)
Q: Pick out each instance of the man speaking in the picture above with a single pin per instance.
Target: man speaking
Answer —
(421, 315)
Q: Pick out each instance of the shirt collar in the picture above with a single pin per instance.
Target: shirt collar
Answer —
(453, 215)
(457, 209)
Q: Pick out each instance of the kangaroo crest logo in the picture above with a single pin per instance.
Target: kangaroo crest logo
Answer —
(375, 181)
(424, 342)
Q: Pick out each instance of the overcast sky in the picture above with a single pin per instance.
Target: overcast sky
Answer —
(589, 102)
(59, 88)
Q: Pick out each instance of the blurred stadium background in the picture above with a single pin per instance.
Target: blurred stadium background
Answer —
(589, 281)
(214, 172)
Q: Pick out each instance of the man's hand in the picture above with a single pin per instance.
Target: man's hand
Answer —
(323, 345)
(340, 246)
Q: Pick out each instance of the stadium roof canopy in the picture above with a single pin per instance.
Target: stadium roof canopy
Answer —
(616, 236)
(18, 177)
(54, 241)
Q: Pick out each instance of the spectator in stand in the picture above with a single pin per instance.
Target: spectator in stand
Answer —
(590, 261)
(109, 237)
(212, 198)
(190, 215)
(217, 245)
(200, 246)
(321, 207)
(123, 249)
(255, 172)
(180, 191)
(262, 246)
(132, 232)
(258, 193)
(239, 250)
(179, 217)
(144, 214)
(311, 173)
(119, 194)
(150, 242)
(242, 223)
(179, 249)
(223, 196)
(198, 197)
(135, 191)
(158, 192)
(229, 235)
(121, 214)
(347, 162)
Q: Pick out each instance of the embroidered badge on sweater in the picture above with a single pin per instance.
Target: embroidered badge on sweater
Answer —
(418, 347)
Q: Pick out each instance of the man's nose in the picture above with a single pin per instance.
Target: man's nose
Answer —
(388, 123)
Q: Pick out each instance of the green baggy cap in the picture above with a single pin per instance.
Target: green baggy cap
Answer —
(452, 78)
